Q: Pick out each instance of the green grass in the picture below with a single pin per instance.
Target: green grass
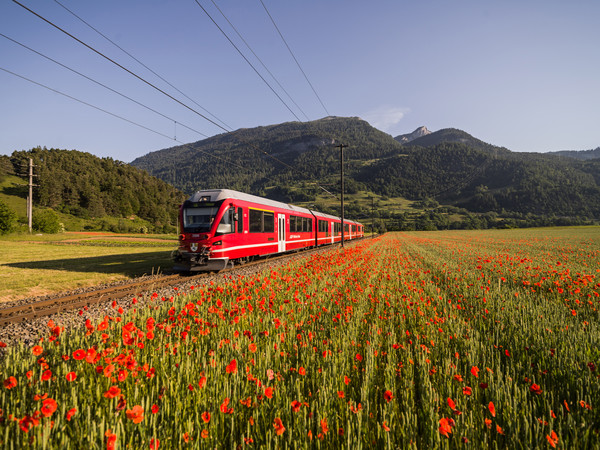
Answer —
(13, 192)
(33, 265)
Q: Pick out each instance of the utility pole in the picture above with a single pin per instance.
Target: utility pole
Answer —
(342, 146)
(372, 217)
(30, 196)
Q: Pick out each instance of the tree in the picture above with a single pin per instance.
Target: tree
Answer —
(46, 221)
(8, 219)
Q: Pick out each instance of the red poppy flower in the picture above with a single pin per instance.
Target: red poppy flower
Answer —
(535, 388)
(206, 416)
(136, 414)
(202, 382)
(46, 375)
(79, 354)
(231, 367)
(37, 350)
(359, 358)
(296, 406)
(10, 382)
(451, 404)
(154, 443)
(324, 426)
(269, 392)
(71, 376)
(71, 413)
(475, 371)
(492, 409)
(446, 425)
(27, 422)
(341, 394)
(112, 392)
(48, 407)
(467, 390)
(385, 427)
(111, 440)
(204, 434)
(302, 371)
(278, 425)
(155, 409)
(346, 380)
(252, 347)
(552, 439)
(388, 396)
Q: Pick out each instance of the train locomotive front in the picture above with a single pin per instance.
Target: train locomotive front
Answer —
(204, 220)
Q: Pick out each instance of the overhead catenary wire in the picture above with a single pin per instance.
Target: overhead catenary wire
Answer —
(259, 60)
(117, 116)
(100, 84)
(293, 56)
(153, 86)
(247, 61)
(142, 64)
(120, 66)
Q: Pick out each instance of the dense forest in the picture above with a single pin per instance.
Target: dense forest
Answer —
(83, 185)
(289, 161)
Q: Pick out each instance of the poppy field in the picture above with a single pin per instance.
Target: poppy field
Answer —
(482, 339)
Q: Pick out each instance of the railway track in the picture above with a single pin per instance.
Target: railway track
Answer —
(33, 310)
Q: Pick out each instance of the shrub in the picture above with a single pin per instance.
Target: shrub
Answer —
(8, 219)
(46, 221)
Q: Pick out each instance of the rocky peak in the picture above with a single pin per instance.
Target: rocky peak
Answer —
(419, 132)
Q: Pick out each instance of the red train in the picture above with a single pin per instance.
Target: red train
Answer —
(221, 227)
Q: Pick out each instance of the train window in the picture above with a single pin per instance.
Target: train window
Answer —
(292, 224)
(255, 221)
(198, 219)
(240, 220)
(269, 222)
(227, 224)
(323, 227)
(337, 228)
(261, 221)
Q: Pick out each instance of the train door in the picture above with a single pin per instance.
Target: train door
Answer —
(332, 232)
(281, 232)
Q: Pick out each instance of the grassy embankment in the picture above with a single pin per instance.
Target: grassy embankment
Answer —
(32, 265)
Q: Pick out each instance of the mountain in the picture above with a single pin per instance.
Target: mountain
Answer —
(83, 185)
(453, 135)
(578, 154)
(406, 138)
(297, 161)
(251, 159)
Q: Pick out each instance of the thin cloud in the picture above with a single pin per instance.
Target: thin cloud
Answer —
(385, 118)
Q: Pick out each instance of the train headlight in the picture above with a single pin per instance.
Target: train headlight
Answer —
(194, 246)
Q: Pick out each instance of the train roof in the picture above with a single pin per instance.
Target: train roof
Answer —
(215, 195)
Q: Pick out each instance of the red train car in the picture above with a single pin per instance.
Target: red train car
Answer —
(222, 227)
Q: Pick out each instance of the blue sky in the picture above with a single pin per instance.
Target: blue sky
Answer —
(520, 74)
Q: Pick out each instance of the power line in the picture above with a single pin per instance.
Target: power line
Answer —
(117, 116)
(120, 66)
(246, 59)
(100, 84)
(142, 64)
(259, 60)
(293, 56)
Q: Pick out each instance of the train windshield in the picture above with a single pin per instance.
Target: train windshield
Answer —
(199, 219)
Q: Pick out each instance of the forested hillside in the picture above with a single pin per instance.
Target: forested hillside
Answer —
(84, 185)
(450, 167)
(253, 159)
